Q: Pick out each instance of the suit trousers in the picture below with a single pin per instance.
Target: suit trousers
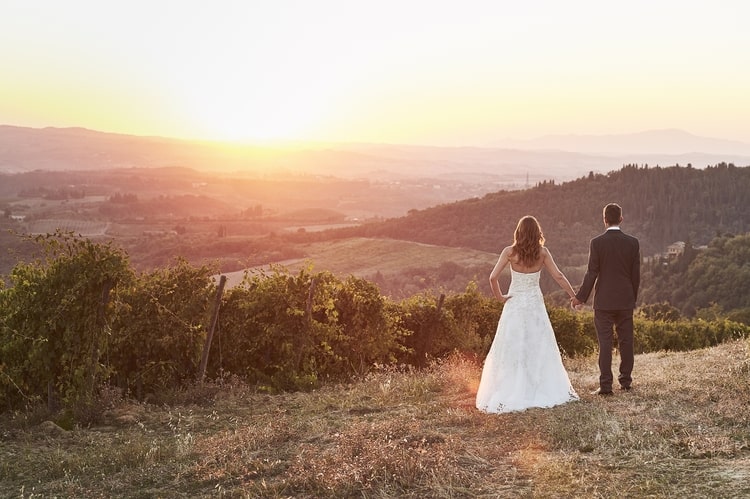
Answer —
(607, 322)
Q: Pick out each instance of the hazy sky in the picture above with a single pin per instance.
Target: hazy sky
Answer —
(463, 72)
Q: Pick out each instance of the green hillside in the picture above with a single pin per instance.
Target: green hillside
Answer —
(660, 206)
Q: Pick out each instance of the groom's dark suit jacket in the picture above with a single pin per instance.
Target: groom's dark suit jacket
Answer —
(615, 268)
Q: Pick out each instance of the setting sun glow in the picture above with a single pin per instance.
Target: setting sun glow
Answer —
(442, 73)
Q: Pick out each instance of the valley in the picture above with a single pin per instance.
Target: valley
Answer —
(227, 221)
(410, 219)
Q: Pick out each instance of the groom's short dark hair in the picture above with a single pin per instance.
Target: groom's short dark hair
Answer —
(612, 214)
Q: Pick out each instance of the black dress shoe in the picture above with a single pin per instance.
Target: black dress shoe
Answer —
(601, 392)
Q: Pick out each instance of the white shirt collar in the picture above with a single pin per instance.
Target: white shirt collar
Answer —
(613, 227)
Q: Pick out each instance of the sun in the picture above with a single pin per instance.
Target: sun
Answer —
(236, 102)
(243, 115)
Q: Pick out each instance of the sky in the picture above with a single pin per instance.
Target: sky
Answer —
(427, 72)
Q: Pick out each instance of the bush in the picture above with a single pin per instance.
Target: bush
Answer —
(55, 321)
(290, 331)
(683, 335)
(475, 319)
(159, 328)
(574, 332)
(430, 329)
(80, 318)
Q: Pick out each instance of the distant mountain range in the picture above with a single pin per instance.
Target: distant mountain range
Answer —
(559, 157)
(652, 142)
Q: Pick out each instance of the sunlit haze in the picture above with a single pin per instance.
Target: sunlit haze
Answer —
(418, 72)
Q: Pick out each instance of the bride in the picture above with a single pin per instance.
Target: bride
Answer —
(523, 368)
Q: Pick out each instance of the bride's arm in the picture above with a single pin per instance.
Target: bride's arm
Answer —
(495, 274)
(556, 273)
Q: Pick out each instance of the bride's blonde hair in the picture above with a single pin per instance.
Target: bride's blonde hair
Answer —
(528, 240)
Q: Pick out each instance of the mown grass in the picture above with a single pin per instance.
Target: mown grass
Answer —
(364, 257)
(684, 431)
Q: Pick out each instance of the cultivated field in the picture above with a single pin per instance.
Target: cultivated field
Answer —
(363, 257)
(83, 227)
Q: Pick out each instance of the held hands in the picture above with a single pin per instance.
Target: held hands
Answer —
(576, 304)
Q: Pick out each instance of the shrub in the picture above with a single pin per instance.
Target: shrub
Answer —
(159, 329)
(79, 316)
(683, 335)
(55, 321)
(292, 330)
(574, 332)
(475, 319)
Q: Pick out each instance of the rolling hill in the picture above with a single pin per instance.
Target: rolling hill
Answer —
(660, 206)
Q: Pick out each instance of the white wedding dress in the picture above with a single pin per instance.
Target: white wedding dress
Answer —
(523, 368)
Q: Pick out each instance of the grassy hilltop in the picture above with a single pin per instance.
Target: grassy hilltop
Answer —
(684, 431)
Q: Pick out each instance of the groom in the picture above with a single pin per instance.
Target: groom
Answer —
(615, 269)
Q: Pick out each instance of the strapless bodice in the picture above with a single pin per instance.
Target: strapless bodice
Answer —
(521, 282)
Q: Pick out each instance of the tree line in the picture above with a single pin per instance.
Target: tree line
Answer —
(661, 205)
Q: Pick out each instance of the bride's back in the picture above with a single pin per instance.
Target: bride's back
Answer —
(517, 265)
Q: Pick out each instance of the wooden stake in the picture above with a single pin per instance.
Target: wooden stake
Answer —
(212, 328)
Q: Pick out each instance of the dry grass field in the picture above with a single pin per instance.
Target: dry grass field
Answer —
(683, 431)
(363, 257)
(83, 227)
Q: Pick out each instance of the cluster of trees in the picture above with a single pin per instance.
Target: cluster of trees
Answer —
(123, 198)
(58, 193)
(227, 253)
(80, 319)
(184, 206)
(707, 281)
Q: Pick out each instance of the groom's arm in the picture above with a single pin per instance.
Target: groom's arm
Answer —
(592, 272)
(635, 274)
